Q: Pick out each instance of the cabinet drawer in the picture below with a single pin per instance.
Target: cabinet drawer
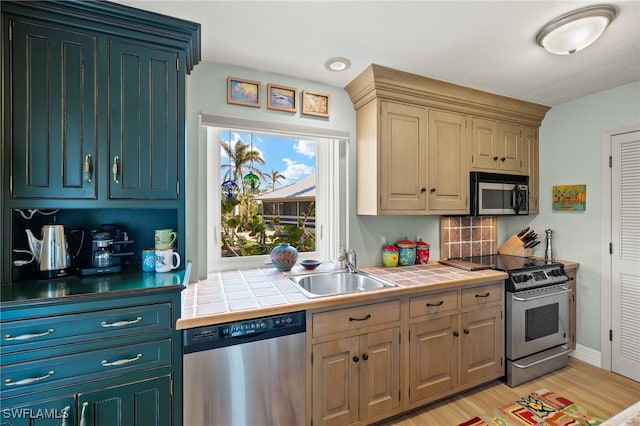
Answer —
(81, 327)
(350, 319)
(433, 303)
(84, 366)
(479, 296)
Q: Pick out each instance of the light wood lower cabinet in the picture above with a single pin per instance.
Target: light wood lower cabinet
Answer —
(455, 342)
(356, 376)
(376, 360)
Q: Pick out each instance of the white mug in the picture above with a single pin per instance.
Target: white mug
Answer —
(164, 260)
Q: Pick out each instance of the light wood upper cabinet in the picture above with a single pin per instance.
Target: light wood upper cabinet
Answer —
(418, 138)
(402, 163)
(410, 160)
(497, 147)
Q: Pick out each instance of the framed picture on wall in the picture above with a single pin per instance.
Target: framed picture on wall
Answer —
(569, 197)
(282, 98)
(243, 92)
(314, 103)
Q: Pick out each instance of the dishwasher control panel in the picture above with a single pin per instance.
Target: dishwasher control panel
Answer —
(211, 337)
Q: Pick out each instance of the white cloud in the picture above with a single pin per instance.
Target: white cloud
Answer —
(307, 148)
(295, 171)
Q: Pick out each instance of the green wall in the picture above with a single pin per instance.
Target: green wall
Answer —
(570, 153)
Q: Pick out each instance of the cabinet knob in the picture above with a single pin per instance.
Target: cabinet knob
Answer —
(423, 189)
(365, 357)
(466, 331)
(495, 158)
(456, 334)
(355, 358)
(503, 159)
(432, 190)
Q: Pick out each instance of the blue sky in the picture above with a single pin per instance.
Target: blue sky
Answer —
(293, 158)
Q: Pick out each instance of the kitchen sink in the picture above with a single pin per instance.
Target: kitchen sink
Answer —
(324, 284)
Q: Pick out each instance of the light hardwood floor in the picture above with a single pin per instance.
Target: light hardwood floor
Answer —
(602, 392)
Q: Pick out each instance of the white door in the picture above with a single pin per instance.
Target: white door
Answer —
(625, 262)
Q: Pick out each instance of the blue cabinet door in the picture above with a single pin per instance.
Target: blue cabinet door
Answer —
(50, 412)
(143, 122)
(53, 111)
(143, 403)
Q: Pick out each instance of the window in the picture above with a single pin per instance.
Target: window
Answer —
(265, 187)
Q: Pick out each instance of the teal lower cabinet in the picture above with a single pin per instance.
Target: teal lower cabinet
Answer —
(142, 403)
(49, 412)
(95, 359)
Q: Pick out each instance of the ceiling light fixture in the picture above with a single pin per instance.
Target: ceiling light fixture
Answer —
(337, 64)
(575, 30)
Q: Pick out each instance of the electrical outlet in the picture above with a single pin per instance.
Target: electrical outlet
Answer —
(383, 239)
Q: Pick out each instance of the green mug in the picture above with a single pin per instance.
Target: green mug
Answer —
(165, 238)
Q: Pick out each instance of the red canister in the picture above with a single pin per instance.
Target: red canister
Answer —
(422, 252)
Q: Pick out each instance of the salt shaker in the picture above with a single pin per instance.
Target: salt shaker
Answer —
(548, 253)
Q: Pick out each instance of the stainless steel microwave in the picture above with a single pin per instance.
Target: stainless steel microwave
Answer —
(494, 194)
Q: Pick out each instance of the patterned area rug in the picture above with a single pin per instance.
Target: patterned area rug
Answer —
(540, 408)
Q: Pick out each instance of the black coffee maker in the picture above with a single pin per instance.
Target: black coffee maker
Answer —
(110, 246)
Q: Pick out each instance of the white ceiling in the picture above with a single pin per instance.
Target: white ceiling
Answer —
(488, 45)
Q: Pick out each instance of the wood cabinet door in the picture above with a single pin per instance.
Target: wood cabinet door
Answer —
(510, 148)
(448, 177)
(403, 157)
(335, 382)
(484, 141)
(142, 403)
(379, 372)
(531, 148)
(482, 345)
(53, 134)
(433, 357)
(143, 122)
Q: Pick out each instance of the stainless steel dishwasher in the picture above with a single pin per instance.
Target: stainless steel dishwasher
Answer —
(245, 373)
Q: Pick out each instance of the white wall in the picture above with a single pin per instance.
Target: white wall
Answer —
(570, 153)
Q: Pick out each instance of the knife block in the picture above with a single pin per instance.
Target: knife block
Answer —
(514, 247)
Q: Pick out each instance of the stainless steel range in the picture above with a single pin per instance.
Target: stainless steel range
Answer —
(537, 315)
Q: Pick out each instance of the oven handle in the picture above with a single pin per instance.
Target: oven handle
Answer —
(540, 361)
(527, 299)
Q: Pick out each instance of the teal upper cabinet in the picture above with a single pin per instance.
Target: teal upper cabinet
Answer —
(143, 121)
(53, 103)
(96, 102)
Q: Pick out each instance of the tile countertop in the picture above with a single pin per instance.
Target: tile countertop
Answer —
(251, 293)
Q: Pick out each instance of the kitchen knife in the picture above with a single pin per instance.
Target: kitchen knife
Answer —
(531, 244)
(524, 231)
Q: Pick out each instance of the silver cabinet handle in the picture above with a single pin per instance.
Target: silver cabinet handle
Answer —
(28, 336)
(120, 323)
(87, 168)
(123, 361)
(9, 382)
(114, 169)
(83, 416)
(65, 416)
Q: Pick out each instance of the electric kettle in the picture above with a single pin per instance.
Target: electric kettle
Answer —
(52, 252)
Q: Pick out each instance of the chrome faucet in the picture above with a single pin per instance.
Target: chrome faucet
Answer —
(352, 261)
(348, 260)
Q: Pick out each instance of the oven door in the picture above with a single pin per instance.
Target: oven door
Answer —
(537, 320)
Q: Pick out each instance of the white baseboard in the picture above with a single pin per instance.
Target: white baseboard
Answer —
(586, 354)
